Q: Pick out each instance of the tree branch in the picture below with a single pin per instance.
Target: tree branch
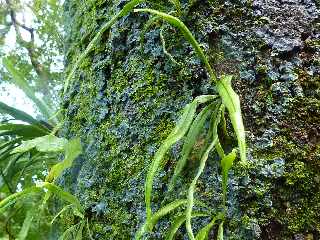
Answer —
(42, 73)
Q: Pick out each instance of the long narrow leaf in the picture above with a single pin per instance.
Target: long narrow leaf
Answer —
(220, 232)
(203, 233)
(23, 130)
(65, 208)
(10, 144)
(231, 100)
(165, 210)
(70, 231)
(7, 202)
(226, 164)
(204, 157)
(48, 143)
(26, 225)
(10, 200)
(190, 140)
(61, 194)
(159, 214)
(178, 132)
(79, 233)
(178, 222)
(73, 150)
(16, 113)
(187, 34)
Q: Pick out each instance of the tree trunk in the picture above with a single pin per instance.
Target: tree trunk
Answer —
(129, 92)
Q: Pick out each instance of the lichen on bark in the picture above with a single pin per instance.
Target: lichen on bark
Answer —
(125, 99)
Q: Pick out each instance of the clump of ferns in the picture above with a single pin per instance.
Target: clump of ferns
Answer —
(188, 129)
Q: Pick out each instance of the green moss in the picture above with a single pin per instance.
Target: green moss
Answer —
(124, 102)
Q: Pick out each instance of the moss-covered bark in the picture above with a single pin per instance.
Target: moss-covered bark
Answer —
(127, 94)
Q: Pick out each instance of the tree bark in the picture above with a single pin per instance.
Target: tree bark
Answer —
(129, 92)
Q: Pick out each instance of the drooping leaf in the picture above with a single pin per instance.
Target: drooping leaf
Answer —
(26, 225)
(178, 222)
(220, 232)
(48, 143)
(10, 200)
(65, 208)
(17, 114)
(213, 137)
(187, 34)
(231, 100)
(203, 233)
(63, 195)
(190, 139)
(125, 10)
(165, 210)
(147, 226)
(72, 151)
(79, 233)
(23, 130)
(226, 164)
(177, 133)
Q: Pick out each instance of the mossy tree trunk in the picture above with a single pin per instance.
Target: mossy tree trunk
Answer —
(127, 94)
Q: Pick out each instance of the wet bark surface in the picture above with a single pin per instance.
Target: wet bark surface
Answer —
(127, 94)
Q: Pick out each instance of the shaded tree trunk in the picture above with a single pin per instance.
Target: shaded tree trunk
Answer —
(127, 94)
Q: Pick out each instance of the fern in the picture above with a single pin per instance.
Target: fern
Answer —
(178, 222)
(190, 140)
(212, 137)
(187, 34)
(177, 133)
(203, 233)
(72, 150)
(231, 100)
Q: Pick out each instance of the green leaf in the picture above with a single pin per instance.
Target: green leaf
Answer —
(203, 233)
(48, 143)
(65, 208)
(63, 195)
(10, 200)
(231, 100)
(226, 164)
(213, 136)
(178, 222)
(19, 81)
(70, 231)
(72, 151)
(125, 10)
(79, 233)
(165, 210)
(189, 142)
(10, 144)
(220, 232)
(13, 198)
(187, 34)
(26, 225)
(17, 114)
(178, 132)
(147, 226)
(23, 130)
